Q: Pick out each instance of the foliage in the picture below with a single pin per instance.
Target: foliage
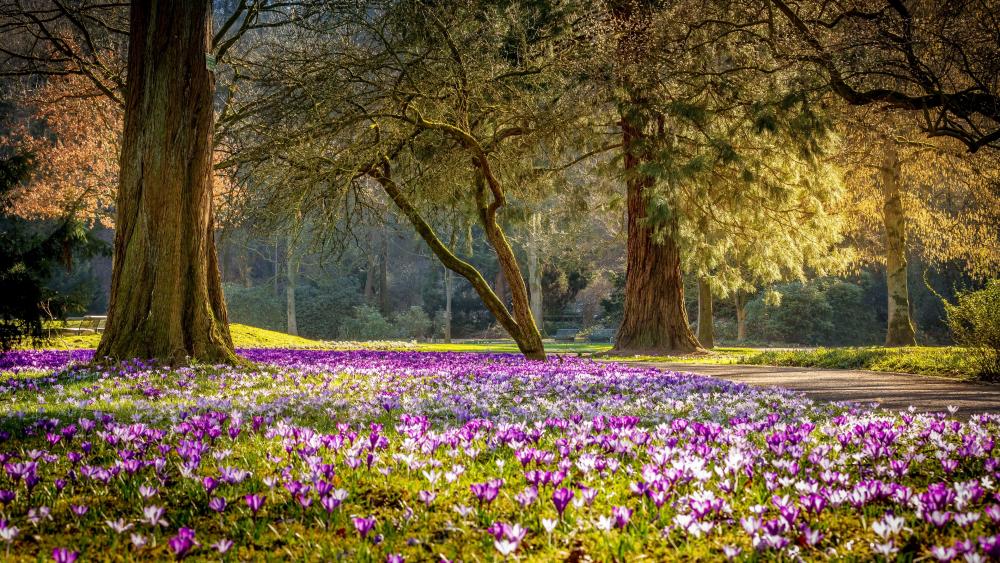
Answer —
(974, 320)
(825, 311)
(412, 323)
(30, 252)
(366, 323)
(320, 308)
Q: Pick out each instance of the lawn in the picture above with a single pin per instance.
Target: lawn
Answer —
(415, 456)
(946, 361)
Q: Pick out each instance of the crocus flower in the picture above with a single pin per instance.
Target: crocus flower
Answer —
(255, 502)
(561, 498)
(218, 504)
(621, 516)
(223, 545)
(364, 525)
(182, 543)
(64, 555)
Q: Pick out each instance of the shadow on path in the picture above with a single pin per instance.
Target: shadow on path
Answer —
(894, 391)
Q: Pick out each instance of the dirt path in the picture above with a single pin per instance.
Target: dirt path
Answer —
(895, 391)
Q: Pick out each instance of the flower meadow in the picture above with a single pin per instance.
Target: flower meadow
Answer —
(409, 456)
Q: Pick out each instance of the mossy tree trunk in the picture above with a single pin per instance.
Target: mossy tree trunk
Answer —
(706, 330)
(740, 302)
(518, 322)
(900, 330)
(291, 281)
(166, 298)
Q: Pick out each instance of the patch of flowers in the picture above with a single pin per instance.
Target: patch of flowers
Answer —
(408, 456)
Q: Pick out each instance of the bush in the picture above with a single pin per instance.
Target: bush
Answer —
(974, 321)
(822, 312)
(413, 323)
(366, 323)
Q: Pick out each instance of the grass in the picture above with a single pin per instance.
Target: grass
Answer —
(945, 361)
(243, 337)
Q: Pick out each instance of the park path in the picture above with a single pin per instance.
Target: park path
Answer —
(895, 391)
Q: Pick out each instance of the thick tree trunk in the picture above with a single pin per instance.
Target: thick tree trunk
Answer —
(535, 271)
(900, 331)
(292, 267)
(166, 294)
(654, 320)
(706, 331)
(740, 301)
(448, 290)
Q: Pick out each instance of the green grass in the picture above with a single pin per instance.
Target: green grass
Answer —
(243, 337)
(948, 361)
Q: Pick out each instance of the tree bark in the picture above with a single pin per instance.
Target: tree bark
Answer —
(740, 301)
(448, 290)
(654, 320)
(292, 267)
(535, 271)
(706, 330)
(166, 294)
(900, 330)
(383, 274)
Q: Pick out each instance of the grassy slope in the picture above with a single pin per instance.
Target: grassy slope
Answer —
(243, 337)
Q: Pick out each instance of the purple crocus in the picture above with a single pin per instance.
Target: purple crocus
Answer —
(621, 515)
(561, 498)
(217, 504)
(182, 543)
(64, 555)
(364, 525)
(255, 502)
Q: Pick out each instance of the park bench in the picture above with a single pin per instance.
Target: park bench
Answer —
(602, 335)
(566, 334)
(84, 325)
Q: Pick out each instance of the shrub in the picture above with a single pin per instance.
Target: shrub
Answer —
(413, 323)
(821, 312)
(366, 323)
(974, 321)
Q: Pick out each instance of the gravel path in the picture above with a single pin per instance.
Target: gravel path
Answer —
(895, 391)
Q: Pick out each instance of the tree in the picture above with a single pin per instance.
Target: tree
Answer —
(438, 110)
(912, 196)
(936, 60)
(30, 251)
(166, 296)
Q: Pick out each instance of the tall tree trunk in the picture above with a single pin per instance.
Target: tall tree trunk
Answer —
(372, 261)
(292, 267)
(740, 301)
(166, 293)
(654, 320)
(706, 331)
(900, 331)
(535, 270)
(277, 268)
(448, 290)
(383, 274)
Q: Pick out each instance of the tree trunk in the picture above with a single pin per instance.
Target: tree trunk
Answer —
(706, 331)
(372, 260)
(383, 274)
(740, 300)
(535, 271)
(524, 333)
(292, 267)
(277, 268)
(654, 320)
(166, 294)
(448, 290)
(900, 331)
